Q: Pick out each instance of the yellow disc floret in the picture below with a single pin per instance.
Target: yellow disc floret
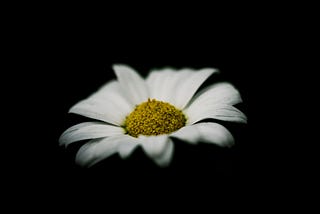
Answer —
(154, 118)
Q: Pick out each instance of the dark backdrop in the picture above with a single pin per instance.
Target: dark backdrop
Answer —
(56, 58)
(67, 66)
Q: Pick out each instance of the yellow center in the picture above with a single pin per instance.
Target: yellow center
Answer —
(154, 118)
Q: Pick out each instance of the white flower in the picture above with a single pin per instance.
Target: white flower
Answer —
(149, 113)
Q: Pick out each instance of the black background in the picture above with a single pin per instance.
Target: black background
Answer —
(62, 64)
(57, 56)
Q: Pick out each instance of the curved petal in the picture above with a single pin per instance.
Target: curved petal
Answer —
(187, 88)
(88, 130)
(165, 158)
(132, 84)
(158, 148)
(98, 149)
(127, 147)
(163, 83)
(225, 112)
(217, 93)
(205, 132)
(107, 104)
(176, 87)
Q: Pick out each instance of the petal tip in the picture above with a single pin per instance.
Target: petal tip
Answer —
(210, 70)
(118, 66)
(121, 68)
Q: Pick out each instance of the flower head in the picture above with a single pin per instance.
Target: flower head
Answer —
(133, 112)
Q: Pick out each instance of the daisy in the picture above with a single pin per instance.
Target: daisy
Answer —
(133, 111)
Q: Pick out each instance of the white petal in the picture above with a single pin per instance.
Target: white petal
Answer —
(165, 158)
(218, 93)
(163, 83)
(155, 81)
(203, 110)
(205, 132)
(158, 148)
(88, 130)
(98, 149)
(127, 147)
(132, 84)
(107, 104)
(176, 87)
(186, 88)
